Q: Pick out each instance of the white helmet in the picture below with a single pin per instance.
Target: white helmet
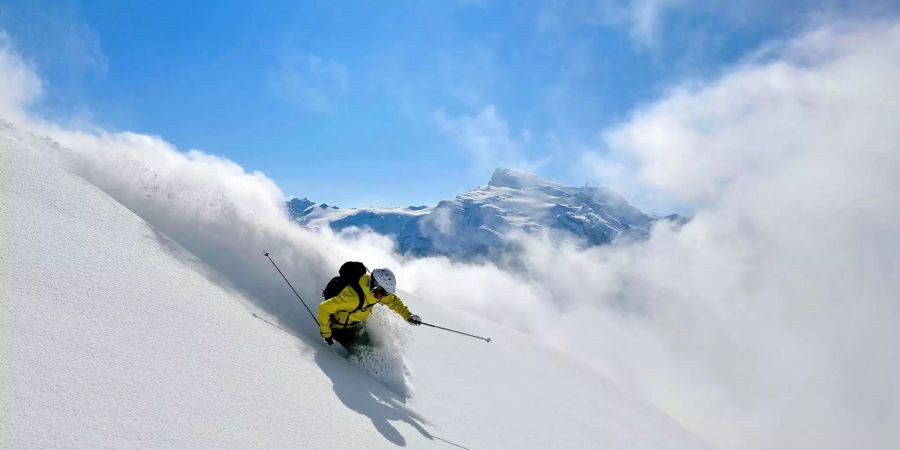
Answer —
(385, 278)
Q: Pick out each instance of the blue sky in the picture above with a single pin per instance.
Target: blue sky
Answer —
(386, 103)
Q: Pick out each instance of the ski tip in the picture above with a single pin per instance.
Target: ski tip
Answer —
(265, 253)
(488, 339)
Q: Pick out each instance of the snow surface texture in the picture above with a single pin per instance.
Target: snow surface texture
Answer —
(481, 221)
(115, 335)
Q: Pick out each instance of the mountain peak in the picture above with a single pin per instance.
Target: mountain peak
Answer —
(515, 179)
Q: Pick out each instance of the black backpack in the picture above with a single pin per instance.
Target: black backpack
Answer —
(348, 275)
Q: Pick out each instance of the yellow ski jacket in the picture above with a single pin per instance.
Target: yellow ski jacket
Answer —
(341, 311)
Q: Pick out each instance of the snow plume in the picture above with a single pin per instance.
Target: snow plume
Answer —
(767, 321)
(222, 214)
(226, 217)
(385, 360)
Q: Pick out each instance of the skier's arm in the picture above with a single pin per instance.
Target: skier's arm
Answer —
(346, 300)
(394, 302)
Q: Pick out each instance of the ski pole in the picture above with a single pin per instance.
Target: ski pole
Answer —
(457, 332)
(292, 287)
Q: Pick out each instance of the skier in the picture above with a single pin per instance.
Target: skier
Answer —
(341, 317)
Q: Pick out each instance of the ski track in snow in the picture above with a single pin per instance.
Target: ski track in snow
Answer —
(114, 335)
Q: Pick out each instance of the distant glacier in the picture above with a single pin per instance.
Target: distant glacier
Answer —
(479, 222)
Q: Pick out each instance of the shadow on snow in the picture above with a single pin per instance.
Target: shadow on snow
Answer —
(369, 397)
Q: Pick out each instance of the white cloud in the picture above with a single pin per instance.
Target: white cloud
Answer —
(690, 25)
(19, 86)
(465, 76)
(80, 47)
(706, 138)
(56, 34)
(310, 82)
(782, 294)
(487, 140)
(643, 19)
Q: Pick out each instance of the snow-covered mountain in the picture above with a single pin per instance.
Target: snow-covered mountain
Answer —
(481, 221)
(124, 328)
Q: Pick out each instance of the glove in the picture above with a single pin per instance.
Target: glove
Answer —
(415, 320)
(329, 340)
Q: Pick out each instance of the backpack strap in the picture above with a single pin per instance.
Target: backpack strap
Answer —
(362, 301)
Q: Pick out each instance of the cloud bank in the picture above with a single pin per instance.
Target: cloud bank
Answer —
(782, 293)
(769, 321)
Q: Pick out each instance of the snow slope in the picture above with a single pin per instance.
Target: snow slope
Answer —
(481, 221)
(114, 335)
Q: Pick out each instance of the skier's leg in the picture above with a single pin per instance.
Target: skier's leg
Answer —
(362, 337)
(345, 336)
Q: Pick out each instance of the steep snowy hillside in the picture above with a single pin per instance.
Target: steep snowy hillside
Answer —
(480, 221)
(115, 335)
